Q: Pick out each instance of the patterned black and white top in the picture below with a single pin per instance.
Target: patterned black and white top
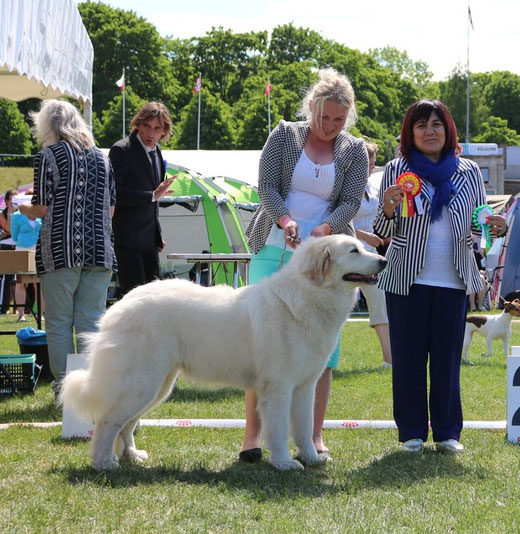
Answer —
(277, 162)
(79, 189)
(406, 254)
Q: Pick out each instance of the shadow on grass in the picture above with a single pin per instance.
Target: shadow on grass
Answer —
(400, 469)
(359, 371)
(194, 393)
(30, 407)
(264, 483)
(477, 361)
(261, 480)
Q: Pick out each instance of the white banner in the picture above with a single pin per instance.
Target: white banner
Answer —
(513, 396)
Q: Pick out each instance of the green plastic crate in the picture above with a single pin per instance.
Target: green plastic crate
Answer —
(18, 373)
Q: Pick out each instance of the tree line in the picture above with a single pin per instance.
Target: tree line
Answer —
(235, 68)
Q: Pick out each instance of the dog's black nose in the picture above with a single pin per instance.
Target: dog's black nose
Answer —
(382, 263)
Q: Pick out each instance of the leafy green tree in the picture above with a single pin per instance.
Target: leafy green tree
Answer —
(495, 130)
(122, 39)
(401, 63)
(180, 53)
(226, 59)
(502, 95)
(217, 131)
(381, 95)
(250, 113)
(289, 83)
(290, 45)
(110, 128)
(453, 93)
(15, 134)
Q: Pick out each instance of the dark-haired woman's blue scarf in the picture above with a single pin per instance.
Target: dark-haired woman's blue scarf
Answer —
(438, 174)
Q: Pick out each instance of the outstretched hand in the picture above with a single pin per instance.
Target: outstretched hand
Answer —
(163, 188)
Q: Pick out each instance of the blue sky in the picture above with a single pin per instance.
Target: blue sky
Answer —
(433, 31)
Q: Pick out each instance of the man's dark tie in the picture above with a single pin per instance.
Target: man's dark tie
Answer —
(154, 167)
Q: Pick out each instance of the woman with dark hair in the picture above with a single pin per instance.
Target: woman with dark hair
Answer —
(431, 271)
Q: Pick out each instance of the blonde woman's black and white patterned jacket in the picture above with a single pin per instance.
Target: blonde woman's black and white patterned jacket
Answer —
(407, 251)
(277, 162)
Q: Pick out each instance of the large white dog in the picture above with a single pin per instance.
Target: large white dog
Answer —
(273, 337)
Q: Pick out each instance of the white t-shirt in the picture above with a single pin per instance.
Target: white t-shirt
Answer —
(439, 268)
(309, 198)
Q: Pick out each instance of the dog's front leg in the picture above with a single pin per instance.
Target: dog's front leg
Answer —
(302, 410)
(506, 344)
(465, 348)
(489, 342)
(274, 405)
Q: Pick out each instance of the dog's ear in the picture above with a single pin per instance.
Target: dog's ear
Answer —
(319, 264)
(513, 305)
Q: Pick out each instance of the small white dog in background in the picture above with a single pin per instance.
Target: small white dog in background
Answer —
(492, 327)
(273, 337)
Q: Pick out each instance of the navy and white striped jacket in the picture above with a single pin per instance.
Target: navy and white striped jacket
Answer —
(279, 157)
(407, 251)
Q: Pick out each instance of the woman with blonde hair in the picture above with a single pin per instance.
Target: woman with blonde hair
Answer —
(74, 195)
(312, 175)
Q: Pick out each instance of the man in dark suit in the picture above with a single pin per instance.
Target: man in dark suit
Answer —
(140, 184)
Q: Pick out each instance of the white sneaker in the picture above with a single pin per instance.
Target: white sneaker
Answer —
(386, 364)
(412, 445)
(449, 445)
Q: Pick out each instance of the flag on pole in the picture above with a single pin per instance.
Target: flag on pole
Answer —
(198, 85)
(268, 89)
(121, 82)
(470, 19)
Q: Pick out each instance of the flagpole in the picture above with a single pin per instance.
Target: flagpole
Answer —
(268, 107)
(467, 80)
(124, 105)
(198, 115)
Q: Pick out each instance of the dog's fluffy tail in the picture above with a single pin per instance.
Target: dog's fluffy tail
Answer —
(76, 394)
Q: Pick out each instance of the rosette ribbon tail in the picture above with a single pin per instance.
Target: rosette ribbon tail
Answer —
(411, 185)
(485, 240)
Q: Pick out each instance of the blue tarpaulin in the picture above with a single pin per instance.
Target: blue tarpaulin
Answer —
(31, 336)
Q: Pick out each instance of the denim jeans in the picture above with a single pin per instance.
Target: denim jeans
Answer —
(75, 299)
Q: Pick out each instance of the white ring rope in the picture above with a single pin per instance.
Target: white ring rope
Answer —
(240, 423)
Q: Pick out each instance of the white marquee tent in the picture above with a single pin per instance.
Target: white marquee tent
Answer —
(239, 164)
(45, 51)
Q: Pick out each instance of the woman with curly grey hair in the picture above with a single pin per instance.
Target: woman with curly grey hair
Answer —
(312, 176)
(74, 194)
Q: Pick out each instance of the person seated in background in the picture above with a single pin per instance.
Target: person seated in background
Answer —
(375, 297)
(25, 230)
(6, 243)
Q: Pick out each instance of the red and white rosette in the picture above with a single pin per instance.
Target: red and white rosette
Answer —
(412, 185)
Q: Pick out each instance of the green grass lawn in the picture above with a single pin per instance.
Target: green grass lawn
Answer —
(194, 483)
(14, 177)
